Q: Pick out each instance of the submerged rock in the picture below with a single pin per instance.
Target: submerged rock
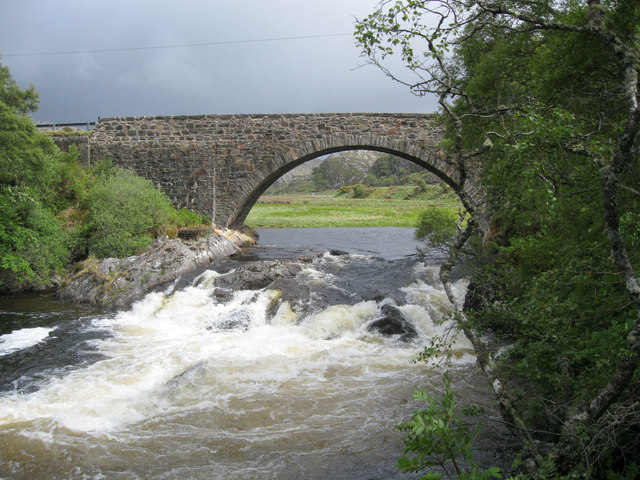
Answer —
(258, 275)
(115, 283)
(393, 322)
(311, 283)
(237, 320)
(280, 276)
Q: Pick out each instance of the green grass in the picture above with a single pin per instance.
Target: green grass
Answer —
(384, 207)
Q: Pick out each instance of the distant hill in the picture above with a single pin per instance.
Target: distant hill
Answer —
(344, 168)
(296, 178)
(349, 168)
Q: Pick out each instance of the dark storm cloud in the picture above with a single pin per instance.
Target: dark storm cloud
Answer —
(302, 75)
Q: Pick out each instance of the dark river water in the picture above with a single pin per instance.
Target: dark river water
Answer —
(388, 243)
(167, 390)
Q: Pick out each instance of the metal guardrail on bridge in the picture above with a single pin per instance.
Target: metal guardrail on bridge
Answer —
(55, 126)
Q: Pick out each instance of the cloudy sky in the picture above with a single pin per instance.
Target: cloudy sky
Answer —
(115, 69)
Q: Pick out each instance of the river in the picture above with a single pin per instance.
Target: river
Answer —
(169, 390)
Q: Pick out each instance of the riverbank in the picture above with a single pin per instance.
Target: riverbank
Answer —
(397, 206)
(115, 283)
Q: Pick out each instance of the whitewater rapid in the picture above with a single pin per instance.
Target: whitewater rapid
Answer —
(172, 391)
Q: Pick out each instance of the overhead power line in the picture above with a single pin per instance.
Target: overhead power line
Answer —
(184, 45)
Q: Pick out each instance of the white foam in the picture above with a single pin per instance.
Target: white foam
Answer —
(177, 351)
(22, 339)
(336, 320)
(316, 278)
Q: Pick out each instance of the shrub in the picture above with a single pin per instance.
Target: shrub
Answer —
(421, 186)
(345, 189)
(188, 218)
(32, 242)
(420, 189)
(437, 227)
(26, 158)
(360, 191)
(438, 437)
(70, 181)
(125, 213)
(104, 168)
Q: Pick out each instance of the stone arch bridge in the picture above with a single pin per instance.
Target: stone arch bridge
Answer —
(219, 165)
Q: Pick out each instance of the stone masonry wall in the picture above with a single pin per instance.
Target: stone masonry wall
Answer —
(219, 165)
(82, 143)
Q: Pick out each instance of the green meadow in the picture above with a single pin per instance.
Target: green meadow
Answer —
(381, 207)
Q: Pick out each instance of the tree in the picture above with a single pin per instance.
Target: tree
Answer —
(545, 94)
(32, 242)
(20, 101)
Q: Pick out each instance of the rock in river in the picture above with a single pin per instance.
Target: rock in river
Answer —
(115, 283)
(393, 323)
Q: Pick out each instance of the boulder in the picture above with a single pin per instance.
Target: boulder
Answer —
(258, 275)
(393, 322)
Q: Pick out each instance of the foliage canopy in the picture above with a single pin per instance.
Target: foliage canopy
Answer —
(545, 95)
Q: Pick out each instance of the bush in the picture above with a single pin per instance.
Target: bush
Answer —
(420, 189)
(345, 189)
(32, 242)
(26, 157)
(104, 168)
(188, 218)
(125, 213)
(421, 186)
(360, 191)
(437, 227)
(70, 181)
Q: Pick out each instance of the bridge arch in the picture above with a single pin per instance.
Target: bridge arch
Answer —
(219, 165)
(428, 159)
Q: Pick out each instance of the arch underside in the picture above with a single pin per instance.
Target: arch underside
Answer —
(424, 157)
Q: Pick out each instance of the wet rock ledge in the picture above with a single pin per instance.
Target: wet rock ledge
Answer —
(115, 283)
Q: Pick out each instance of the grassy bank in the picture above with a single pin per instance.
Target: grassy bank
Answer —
(382, 207)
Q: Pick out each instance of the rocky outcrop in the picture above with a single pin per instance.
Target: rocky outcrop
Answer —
(115, 283)
(345, 168)
(257, 275)
(278, 275)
